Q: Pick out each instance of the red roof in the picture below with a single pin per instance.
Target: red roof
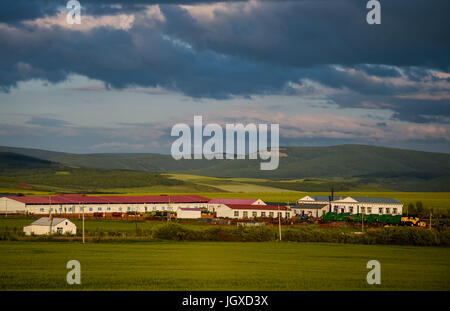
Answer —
(82, 199)
(233, 201)
(258, 207)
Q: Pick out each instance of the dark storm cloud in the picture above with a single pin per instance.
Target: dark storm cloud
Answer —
(421, 111)
(120, 59)
(405, 109)
(309, 33)
(47, 122)
(243, 52)
(19, 10)
(12, 11)
(379, 70)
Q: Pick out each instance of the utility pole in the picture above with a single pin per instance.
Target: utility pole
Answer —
(50, 216)
(430, 218)
(83, 223)
(362, 222)
(279, 221)
(135, 218)
(6, 202)
(168, 212)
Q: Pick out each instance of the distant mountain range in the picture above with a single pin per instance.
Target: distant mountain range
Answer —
(360, 161)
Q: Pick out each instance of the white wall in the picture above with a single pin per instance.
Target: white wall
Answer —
(184, 214)
(349, 205)
(226, 212)
(67, 227)
(367, 208)
(107, 208)
(8, 205)
(314, 212)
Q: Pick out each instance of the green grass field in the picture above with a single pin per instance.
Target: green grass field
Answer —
(221, 266)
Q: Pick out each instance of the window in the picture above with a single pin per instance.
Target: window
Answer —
(245, 214)
(271, 214)
(154, 208)
(129, 208)
(99, 209)
(254, 214)
(388, 210)
(288, 215)
(66, 223)
(363, 209)
(369, 210)
(279, 214)
(380, 210)
(120, 209)
(90, 209)
(236, 213)
(59, 230)
(60, 209)
(351, 210)
(395, 211)
(70, 209)
(42, 210)
(263, 214)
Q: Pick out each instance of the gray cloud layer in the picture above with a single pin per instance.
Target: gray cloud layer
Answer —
(242, 52)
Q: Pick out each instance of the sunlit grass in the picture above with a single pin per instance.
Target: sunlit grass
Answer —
(221, 266)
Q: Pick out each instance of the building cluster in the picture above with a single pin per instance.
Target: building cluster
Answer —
(192, 206)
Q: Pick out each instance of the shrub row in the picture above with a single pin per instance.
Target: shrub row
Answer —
(177, 232)
(240, 234)
(396, 235)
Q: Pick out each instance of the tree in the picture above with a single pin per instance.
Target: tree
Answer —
(411, 210)
(420, 210)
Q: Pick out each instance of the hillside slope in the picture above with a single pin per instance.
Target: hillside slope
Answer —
(21, 173)
(395, 168)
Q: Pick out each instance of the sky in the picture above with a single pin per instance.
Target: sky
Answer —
(131, 70)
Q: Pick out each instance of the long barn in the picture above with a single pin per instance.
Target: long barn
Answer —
(78, 203)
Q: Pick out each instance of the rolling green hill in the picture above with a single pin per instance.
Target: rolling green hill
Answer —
(29, 175)
(388, 168)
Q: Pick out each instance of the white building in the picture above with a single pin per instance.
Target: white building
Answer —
(216, 203)
(51, 225)
(311, 209)
(77, 203)
(239, 211)
(366, 205)
(314, 199)
(189, 213)
(356, 205)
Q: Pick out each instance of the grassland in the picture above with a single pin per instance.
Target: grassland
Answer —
(221, 266)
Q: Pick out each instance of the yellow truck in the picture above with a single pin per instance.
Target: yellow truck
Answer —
(413, 221)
